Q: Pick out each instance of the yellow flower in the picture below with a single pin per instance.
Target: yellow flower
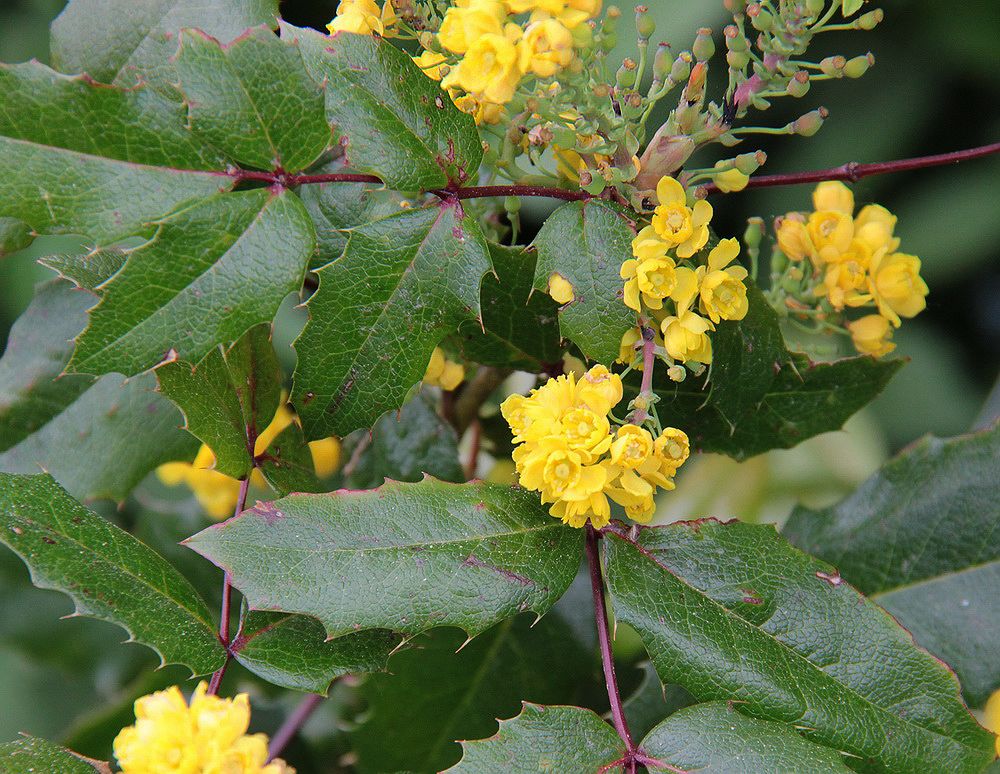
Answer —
(209, 735)
(830, 232)
(730, 180)
(632, 446)
(651, 273)
(363, 17)
(628, 350)
(442, 372)
(685, 334)
(895, 284)
(599, 390)
(793, 237)
(723, 294)
(681, 227)
(833, 196)
(560, 289)
(991, 716)
(432, 63)
(483, 112)
(586, 433)
(325, 456)
(672, 448)
(871, 335)
(465, 23)
(846, 278)
(572, 13)
(490, 70)
(547, 47)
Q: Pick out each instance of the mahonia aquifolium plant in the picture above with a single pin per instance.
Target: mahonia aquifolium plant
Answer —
(376, 171)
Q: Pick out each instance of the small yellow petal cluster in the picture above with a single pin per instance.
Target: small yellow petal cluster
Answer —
(687, 299)
(209, 735)
(991, 716)
(486, 48)
(218, 493)
(442, 372)
(856, 263)
(570, 452)
(364, 17)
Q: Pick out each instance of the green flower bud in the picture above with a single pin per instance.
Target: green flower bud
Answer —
(810, 123)
(735, 40)
(644, 23)
(754, 234)
(748, 163)
(704, 47)
(859, 65)
(798, 84)
(833, 66)
(737, 60)
(815, 7)
(761, 19)
(627, 74)
(870, 20)
(662, 62)
(680, 70)
(512, 204)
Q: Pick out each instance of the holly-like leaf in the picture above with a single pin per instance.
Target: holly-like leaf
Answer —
(804, 400)
(553, 738)
(108, 573)
(401, 286)
(714, 738)
(32, 755)
(37, 350)
(487, 678)
(212, 271)
(135, 162)
(229, 398)
(394, 122)
(733, 612)
(292, 651)
(404, 557)
(920, 537)
(405, 445)
(586, 243)
(519, 329)
(253, 99)
(131, 41)
(89, 270)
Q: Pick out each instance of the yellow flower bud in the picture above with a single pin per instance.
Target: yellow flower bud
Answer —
(560, 289)
(835, 196)
(546, 48)
(871, 335)
(463, 26)
(730, 180)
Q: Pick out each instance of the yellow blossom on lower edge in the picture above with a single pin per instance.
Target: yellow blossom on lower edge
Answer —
(363, 17)
(443, 373)
(872, 335)
(560, 289)
(991, 717)
(171, 736)
(896, 285)
(432, 63)
(723, 296)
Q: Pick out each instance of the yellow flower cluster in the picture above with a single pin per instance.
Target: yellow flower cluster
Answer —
(656, 274)
(856, 263)
(218, 493)
(568, 450)
(442, 372)
(210, 735)
(364, 17)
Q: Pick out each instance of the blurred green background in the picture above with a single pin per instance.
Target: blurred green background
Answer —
(935, 88)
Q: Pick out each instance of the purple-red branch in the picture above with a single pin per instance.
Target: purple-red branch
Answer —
(292, 724)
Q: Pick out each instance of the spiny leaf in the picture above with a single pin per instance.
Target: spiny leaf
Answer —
(229, 398)
(920, 536)
(394, 121)
(585, 243)
(253, 99)
(32, 755)
(733, 612)
(186, 290)
(401, 286)
(405, 557)
(89, 270)
(108, 573)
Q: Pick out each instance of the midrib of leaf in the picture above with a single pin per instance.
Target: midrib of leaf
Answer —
(791, 651)
(256, 109)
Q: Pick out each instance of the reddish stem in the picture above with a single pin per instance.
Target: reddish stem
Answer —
(227, 598)
(604, 639)
(475, 437)
(292, 724)
(853, 171)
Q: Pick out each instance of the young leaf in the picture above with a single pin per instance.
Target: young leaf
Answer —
(394, 121)
(253, 99)
(733, 612)
(229, 398)
(920, 538)
(188, 289)
(405, 445)
(487, 678)
(131, 41)
(108, 573)
(32, 755)
(585, 243)
(405, 557)
(714, 738)
(542, 738)
(520, 329)
(292, 651)
(401, 286)
(135, 162)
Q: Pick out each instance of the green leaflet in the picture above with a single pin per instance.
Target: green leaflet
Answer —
(108, 573)
(586, 243)
(32, 755)
(135, 162)
(127, 41)
(404, 557)
(253, 99)
(196, 268)
(920, 537)
(88, 271)
(394, 122)
(401, 286)
(732, 612)
(229, 398)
